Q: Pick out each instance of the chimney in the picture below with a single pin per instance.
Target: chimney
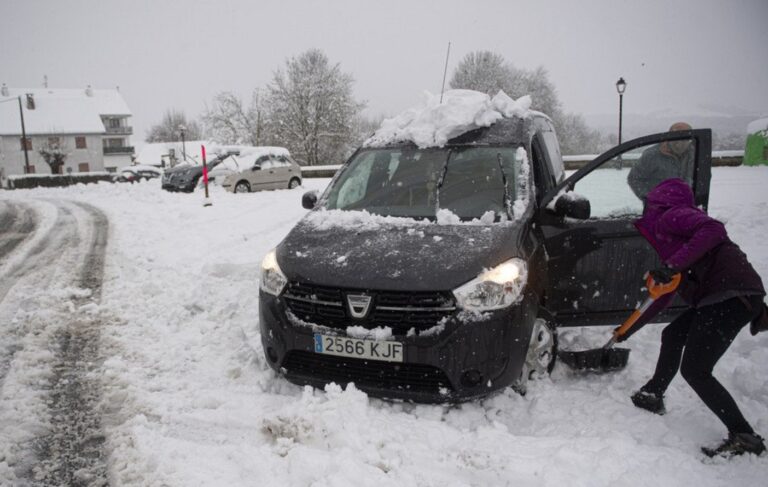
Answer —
(89, 90)
(4, 90)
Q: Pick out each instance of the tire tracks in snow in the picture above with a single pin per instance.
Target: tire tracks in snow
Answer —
(66, 267)
(18, 221)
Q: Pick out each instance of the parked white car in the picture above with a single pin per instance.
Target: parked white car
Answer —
(264, 168)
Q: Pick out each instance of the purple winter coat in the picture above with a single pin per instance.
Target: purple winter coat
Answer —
(688, 240)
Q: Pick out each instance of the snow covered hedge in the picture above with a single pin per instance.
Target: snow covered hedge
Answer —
(57, 180)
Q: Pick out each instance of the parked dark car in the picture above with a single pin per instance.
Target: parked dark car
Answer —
(185, 177)
(442, 274)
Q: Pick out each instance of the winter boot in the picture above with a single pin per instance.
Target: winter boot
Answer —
(649, 401)
(737, 444)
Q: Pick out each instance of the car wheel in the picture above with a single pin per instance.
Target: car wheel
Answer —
(242, 187)
(540, 358)
(294, 183)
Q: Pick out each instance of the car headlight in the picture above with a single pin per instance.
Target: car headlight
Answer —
(495, 288)
(272, 278)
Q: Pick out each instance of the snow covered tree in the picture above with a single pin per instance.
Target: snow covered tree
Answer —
(54, 152)
(168, 130)
(230, 121)
(488, 72)
(312, 108)
(483, 71)
(576, 137)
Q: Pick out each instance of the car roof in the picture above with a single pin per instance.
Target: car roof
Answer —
(505, 131)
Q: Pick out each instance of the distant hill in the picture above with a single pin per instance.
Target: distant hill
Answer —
(730, 128)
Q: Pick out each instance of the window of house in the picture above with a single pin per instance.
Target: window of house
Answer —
(53, 141)
(26, 142)
(83, 167)
(80, 143)
(114, 123)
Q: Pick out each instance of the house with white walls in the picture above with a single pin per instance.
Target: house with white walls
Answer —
(89, 128)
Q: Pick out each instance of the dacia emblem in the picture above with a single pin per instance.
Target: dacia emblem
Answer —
(358, 305)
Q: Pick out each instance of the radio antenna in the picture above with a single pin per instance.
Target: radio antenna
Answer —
(445, 71)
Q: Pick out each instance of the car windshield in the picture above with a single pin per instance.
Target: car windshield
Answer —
(416, 183)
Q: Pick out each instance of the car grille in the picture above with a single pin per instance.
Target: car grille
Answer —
(368, 373)
(402, 311)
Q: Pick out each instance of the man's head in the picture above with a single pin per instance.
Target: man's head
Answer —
(679, 147)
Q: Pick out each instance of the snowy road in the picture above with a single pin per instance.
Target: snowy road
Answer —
(52, 259)
(178, 381)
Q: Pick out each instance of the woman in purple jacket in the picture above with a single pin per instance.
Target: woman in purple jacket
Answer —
(724, 293)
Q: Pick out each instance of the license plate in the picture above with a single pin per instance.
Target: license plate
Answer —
(352, 347)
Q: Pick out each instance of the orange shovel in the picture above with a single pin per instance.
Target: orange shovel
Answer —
(607, 357)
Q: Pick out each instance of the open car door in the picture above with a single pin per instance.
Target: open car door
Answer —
(596, 256)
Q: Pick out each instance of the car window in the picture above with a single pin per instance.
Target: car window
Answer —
(264, 161)
(353, 188)
(618, 187)
(474, 181)
(470, 182)
(555, 157)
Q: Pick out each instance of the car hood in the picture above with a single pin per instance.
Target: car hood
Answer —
(418, 257)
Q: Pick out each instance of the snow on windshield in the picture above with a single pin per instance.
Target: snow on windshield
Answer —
(433, 124)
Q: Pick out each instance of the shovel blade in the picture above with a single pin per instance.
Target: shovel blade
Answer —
(599, 359)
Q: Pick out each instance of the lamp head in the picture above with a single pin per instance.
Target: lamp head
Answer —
(621, 85)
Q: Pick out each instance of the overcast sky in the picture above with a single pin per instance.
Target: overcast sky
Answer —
(677, 56)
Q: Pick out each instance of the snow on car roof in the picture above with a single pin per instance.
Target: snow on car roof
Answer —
(434, 123)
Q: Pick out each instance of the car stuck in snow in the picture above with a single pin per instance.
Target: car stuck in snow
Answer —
(445, 253)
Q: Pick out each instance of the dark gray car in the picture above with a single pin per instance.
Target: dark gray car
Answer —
(442, 274)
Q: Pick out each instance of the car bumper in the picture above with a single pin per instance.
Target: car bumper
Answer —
(470, 357)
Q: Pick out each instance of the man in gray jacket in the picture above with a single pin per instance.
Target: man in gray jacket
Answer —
(667, 160)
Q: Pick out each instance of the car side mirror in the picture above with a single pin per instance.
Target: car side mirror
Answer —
(256, 168)
(309, 200)
(573, 205)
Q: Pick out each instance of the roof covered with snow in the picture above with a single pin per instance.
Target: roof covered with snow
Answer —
(434, 122)
(757, 126)
(60, 111)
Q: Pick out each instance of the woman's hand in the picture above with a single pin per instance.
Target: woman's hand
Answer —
(662, 275)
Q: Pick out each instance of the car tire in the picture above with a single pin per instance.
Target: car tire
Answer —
(541, 355)
(242, 187)
(294, 183)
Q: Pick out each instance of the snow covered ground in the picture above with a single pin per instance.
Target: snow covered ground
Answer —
(187, 398)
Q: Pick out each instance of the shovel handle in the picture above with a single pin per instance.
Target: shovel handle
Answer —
(655, 290)
(658, 289)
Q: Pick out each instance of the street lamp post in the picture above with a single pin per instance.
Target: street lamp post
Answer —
(621, 85)
(182, 130)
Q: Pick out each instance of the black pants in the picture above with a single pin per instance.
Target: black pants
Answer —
(693, 343)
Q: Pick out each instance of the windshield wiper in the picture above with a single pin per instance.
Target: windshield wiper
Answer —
(507, 198)
(441, 181)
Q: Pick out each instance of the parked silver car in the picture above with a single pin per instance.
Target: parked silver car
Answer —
(268, 171)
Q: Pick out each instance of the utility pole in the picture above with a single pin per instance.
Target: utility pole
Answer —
(24, 138)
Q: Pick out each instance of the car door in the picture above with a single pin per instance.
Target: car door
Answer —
(595, 265)
(262, 175)
(283, 171)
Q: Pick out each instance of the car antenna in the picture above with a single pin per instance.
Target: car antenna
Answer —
(445, 71)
